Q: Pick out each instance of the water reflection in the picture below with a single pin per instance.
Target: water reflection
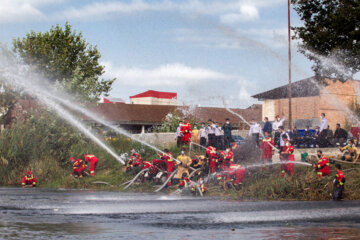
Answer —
(49, 214)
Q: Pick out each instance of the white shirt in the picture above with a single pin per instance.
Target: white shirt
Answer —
(254, 128)
(277, 124)
(282, 140)
(203, 132)
(178, 131)
(324, 124)
(211, 129)
(218, 131)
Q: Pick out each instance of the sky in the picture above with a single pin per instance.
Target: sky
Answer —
(205, 50)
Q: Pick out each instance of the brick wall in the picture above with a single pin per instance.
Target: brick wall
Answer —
(334, 100)
(302, 108)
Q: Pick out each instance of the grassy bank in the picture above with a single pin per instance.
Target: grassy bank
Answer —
(258, 184)
(303, 185)
(44, 145)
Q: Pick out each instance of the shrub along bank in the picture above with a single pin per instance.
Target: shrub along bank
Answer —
(44, 145)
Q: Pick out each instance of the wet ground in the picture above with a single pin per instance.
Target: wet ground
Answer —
(77, 214)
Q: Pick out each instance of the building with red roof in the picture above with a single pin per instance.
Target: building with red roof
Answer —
(152, 97)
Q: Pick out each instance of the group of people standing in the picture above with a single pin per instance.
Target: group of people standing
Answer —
(211, 134)
(320, 136)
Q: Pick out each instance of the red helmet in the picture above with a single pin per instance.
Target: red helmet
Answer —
(72, 159)
(28, 172)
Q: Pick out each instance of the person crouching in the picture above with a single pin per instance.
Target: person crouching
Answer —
(29, 180)
(184, 183)
(199, 185)
(323, 165)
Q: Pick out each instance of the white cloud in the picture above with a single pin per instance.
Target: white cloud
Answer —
(24, 10)
(176, 74)
(247, 13)
(231, 10)
(228, 11)
(18, 11)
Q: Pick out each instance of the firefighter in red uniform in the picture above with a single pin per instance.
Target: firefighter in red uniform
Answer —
(213, 158)
(78, 167)
(93, 162)
(200, 184)
(267, 148)
(323, 165)
(169, 161)
(29, 180)
(339, 182)
(152, 169)
(134, 160)
(185, 132)
(233, 171)
(239, 172)
(184, 183)
(234, 146)
(221, 159)
(287, 157)
(229, 155)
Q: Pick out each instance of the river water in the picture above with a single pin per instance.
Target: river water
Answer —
(84, 214)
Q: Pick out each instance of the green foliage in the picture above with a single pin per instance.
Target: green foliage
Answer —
(171, 122)
(43, 144)
(7, 98)
(331, 29)
(66, 59)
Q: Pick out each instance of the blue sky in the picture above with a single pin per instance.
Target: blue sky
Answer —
(204, 50)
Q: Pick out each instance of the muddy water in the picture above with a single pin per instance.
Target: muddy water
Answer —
(76, 214)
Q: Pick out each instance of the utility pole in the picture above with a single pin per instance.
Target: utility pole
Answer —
(289, 87)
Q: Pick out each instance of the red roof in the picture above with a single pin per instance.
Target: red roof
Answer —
(113, 100)
(156, 94)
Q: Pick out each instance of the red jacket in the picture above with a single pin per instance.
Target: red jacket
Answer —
(267, 148)
(230, 156)
(340, 178)
(90, 158)
(134, 155)
(211, 151)
(324, 165)
(185, 129)
(29, 179)
(234, 146)
(168, 157)
(184, 183)
(78, 163)
(222, 154)
(287, 148)
(135, 159)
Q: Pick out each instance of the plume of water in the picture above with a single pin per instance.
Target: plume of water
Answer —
(68, 101)
(18, 75)
(198, 145)
(329, 62)
(97, 118)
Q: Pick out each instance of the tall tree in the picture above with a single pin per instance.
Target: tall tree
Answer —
(65, 58)
(330, 35)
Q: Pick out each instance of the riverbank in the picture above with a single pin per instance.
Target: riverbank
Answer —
(258, 184)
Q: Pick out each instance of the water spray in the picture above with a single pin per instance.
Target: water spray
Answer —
(244, 120)
(19, 77)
